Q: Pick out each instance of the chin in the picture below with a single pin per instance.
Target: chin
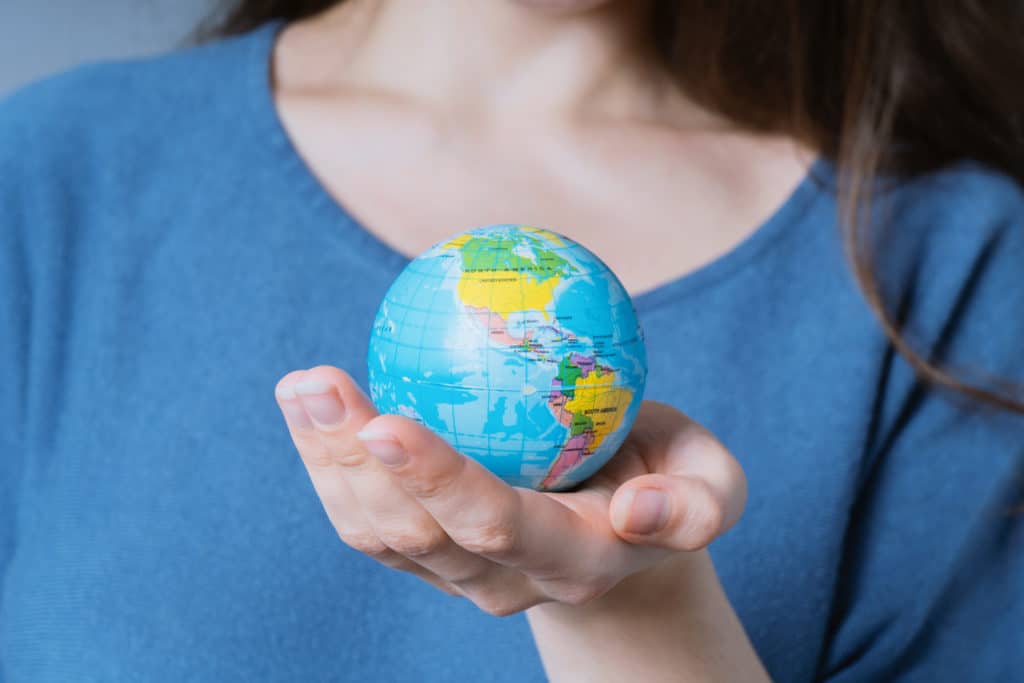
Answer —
(561, 6)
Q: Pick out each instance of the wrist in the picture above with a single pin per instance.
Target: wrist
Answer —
(671, 622)
(672, 584)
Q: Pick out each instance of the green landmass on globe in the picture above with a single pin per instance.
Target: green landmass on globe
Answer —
(519, 347)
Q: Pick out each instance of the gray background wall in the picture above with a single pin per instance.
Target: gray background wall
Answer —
(39, 37)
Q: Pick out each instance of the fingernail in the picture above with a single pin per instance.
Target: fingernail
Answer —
(647, 511)
(321, 401)
(383, 447)
(294, 414)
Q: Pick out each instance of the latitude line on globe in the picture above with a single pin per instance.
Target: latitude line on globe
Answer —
(445, 385)
(617, 345)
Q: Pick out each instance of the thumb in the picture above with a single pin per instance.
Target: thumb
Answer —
(676, 512)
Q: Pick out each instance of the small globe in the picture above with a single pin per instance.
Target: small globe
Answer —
(519, 347)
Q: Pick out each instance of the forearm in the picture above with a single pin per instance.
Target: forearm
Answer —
(669, 623)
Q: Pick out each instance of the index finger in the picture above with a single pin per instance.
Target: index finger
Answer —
(515, 527)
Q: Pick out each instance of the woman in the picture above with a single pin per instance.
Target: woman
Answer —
(183, 232)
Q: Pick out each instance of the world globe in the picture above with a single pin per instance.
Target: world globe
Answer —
(516, 345)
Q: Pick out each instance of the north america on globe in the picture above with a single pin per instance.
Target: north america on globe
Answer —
(519, 347)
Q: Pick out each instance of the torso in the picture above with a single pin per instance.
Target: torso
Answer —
(162, 527)
(653, 199)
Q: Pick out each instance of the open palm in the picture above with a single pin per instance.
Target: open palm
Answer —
(399, 493)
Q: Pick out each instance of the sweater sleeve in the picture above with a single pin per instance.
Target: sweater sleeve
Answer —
(941, 505)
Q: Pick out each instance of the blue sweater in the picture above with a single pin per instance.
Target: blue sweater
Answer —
(166, 256)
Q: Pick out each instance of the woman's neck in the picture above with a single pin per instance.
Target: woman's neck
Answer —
(501, 60)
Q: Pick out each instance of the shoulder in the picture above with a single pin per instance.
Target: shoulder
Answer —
(115, 103)
(950, 214)
(111, 147)
(966, 181)
(947, 254)
(952, 249)
(105, 87)
(949, 250)
(953, 216)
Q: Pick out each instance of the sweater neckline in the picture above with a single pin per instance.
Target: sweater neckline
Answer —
(331, 211)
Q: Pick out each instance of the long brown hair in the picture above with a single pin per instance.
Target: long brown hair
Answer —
(900, 87)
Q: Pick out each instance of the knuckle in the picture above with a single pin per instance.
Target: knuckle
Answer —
(703, 519)
(434, 484)
(367, 543)
(579, 596)
(581, 592)
(501, 610)
(414, 542)
(322, 449)
(498, 539)
(467, 576)
(496, 604)
(318, 459)
(325, 458)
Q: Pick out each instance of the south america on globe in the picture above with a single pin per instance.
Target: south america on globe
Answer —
(516, 345)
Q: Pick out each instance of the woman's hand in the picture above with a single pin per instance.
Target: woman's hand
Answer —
(399, 493)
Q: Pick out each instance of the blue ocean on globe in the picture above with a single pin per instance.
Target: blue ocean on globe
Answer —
(519, 347)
